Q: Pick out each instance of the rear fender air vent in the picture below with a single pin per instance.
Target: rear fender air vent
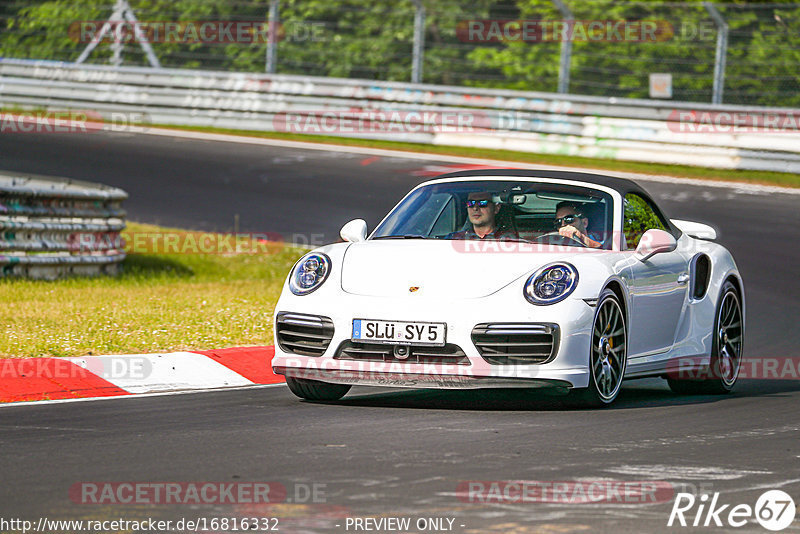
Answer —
(306, 335)
(516, 343)
(700, 273)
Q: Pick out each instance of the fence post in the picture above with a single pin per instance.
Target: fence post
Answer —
(122, 12)
(566, 50)
(721, 53)
(419, 42)
(272, 37)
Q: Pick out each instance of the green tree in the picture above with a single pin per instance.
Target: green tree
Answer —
(638, 218)
(365, 39)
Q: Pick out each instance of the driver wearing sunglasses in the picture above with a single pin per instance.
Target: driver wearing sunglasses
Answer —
(482, 212)
(570, 222)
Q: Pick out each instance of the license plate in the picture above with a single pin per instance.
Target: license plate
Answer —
(399, 332)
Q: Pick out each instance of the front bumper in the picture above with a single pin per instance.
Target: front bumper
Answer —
(417, 380)
(567, 369)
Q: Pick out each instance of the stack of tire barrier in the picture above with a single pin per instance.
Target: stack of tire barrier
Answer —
(55, 227)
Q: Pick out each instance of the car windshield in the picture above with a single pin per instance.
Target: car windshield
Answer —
(512, 210)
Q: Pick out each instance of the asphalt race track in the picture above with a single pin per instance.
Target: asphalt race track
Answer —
(397, 453)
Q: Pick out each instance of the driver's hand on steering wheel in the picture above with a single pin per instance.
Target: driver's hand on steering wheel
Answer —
(571, 232)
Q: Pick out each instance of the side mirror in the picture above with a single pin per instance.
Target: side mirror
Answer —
(695, 229)
(355, 231)
(655, 242)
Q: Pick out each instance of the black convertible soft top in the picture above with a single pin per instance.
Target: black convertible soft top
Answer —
(622, 185)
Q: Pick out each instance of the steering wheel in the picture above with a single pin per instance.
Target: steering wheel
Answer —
(554, 238)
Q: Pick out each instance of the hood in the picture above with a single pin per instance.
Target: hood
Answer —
(454, 269)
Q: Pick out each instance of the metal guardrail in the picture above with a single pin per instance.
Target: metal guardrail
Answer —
(624, 129)
(52, 227)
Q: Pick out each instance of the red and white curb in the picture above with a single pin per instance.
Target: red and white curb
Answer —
(41, 379)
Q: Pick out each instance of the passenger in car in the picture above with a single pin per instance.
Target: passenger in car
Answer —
(571, 222)
(482, 214)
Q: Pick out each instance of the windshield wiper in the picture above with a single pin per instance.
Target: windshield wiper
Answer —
(407, 236)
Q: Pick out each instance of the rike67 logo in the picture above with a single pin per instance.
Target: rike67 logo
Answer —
(774, 510)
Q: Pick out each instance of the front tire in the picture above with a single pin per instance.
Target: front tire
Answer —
(608, 356)
(314, 390)
(726, 348)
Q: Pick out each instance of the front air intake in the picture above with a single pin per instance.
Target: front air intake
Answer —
(516, 343)
(376, 352)
(302, 334)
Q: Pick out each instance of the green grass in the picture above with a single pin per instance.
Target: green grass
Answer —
(685, 171)
(160, 302)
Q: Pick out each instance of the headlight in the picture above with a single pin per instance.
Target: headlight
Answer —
(309, 273)
(550, 284)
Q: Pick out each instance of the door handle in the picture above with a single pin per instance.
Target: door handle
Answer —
(683, 278)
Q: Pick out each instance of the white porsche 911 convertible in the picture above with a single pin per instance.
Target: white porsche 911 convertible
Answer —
(512, 278)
